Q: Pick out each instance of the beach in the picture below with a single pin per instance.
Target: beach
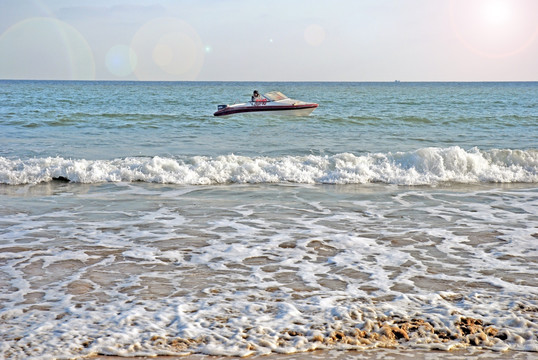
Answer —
(359, 355)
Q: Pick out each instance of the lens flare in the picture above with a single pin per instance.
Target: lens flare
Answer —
(120, 60)
(45, 48)
(314, 35)
(168, 49)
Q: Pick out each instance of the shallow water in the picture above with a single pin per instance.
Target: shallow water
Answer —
(395, 215)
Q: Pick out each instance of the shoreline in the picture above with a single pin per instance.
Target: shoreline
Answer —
(371, 354)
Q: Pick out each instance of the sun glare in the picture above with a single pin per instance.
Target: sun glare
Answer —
(495, 28)
(498, 12)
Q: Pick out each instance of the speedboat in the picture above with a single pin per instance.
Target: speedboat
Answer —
(273, 102)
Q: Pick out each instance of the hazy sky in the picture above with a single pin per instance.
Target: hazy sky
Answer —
(277, 40)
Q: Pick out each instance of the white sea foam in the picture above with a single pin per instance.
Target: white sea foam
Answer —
(146, 269)
(426, 166)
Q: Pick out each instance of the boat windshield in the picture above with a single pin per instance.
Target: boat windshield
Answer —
(275, 96)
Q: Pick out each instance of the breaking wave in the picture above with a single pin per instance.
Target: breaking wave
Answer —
(426, 166)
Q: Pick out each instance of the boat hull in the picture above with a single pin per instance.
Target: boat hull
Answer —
(295, 110)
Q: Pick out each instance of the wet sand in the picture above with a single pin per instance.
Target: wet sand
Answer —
(374, 354)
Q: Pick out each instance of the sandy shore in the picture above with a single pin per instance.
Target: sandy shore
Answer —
(375, 354)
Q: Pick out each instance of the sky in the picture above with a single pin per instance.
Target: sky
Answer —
(277, 40)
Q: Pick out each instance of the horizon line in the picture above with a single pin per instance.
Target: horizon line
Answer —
(279, 81)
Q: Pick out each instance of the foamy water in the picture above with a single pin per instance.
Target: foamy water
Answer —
(131, 269)
(154, 232)
(426, 166)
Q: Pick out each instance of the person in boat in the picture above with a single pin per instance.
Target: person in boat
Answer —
(256, 96)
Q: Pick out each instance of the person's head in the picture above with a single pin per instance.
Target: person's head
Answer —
(256, 93)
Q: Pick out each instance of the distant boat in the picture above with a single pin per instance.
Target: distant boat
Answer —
(274, 102)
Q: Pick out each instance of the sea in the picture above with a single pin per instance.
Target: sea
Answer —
(399, 215)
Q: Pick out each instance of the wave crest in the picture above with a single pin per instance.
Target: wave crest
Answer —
(426, 166)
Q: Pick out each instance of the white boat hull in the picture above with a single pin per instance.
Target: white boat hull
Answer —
(270, 110)
(282, 106)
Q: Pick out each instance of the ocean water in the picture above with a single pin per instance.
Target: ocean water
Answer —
(134, 222)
